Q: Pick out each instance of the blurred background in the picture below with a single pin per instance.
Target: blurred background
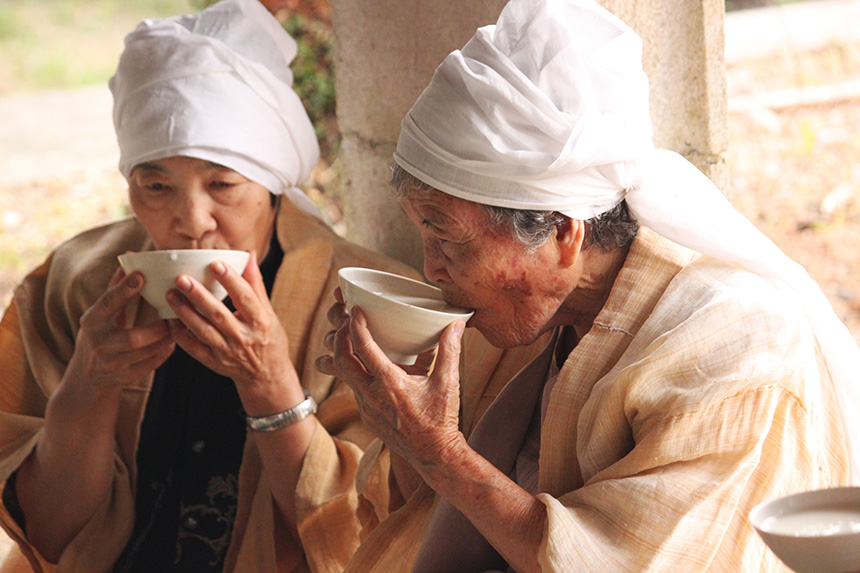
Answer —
(793, 80)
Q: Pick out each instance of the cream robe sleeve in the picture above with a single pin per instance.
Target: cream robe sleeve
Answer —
(716, 404)
(37, 340)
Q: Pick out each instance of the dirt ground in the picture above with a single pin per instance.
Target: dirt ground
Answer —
(795, 167)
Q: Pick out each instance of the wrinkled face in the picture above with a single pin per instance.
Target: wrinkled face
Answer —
(188, 203)
(514, 292)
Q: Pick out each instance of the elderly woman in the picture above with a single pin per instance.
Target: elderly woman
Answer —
(678, 389)
(126, 439)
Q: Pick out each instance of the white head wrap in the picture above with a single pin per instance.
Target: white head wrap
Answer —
(548, 110)
(216, 86)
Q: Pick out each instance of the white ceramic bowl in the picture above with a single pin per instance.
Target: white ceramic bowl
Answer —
(813, 531)
(160, 269)
(405, 316)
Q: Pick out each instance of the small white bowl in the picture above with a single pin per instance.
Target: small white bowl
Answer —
(160, 269)
(404, 316)
(813, 531)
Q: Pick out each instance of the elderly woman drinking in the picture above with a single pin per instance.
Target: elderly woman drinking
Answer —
(132, 443)
(692, 370)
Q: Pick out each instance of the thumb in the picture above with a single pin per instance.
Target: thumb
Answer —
(253, 276)
(365, 348)
(447, 367)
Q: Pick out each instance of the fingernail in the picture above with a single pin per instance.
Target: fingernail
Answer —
(133, 281)
(357, 315)
(173, 298)
(459, 327)
(218, 268)
(183, 283)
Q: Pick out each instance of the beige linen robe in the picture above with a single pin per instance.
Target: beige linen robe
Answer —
(697, 394)
(36, 342)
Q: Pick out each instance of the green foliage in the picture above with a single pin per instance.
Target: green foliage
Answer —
(313, 76)
(8, 25)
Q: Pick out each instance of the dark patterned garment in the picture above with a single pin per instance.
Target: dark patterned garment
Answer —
(188, 459)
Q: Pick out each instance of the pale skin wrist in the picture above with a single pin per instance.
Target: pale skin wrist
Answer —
(282, 451)
(249, 345)
(70, 456)
(270, 395)
(73, 402)
(282, 454)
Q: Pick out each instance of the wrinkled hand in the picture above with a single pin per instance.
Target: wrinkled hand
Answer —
(416, 415)
(248, 345)
(109, 354)
(338, 316)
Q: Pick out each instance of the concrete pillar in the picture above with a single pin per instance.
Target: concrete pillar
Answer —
(386, 52)
(683, 55)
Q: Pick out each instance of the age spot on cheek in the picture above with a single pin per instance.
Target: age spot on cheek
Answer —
(519, 286)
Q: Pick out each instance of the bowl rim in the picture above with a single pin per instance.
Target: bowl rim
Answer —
(830, 497)
(462, 313)
(181, 251)
(135, 259)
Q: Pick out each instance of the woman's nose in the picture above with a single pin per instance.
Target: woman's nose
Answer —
(434, 264)
(193, 216)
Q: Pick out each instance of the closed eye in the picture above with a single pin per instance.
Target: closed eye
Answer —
(438, 235)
